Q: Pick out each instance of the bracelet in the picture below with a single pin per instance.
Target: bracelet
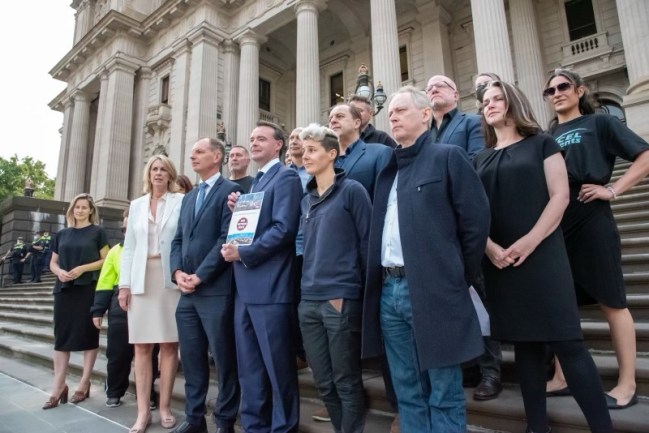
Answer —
(610, 188)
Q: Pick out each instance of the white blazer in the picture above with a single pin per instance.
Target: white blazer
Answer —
(134, 254)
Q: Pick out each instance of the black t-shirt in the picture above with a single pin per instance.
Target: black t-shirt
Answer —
(591, 143)
(245, 183)
(79, 246)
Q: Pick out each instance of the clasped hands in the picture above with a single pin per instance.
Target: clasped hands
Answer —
(186, 283)
(515, 255)
(66, 276)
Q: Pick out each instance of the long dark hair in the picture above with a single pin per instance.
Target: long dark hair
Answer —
(586, 104)
(519, 111)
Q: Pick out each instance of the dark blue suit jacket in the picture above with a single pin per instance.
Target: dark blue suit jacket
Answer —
(464, 130)
(264, 274)
(196, 248)
(365, 162)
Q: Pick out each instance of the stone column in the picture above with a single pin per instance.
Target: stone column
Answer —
(529, 57)
(179, 80)
(76, 169)
(62, 167)
(634, 16)
(248, 109)
(385, 52)
(230, 89)
(203, 88)
(142, 87)
(434, 20)
(491, 38)
(307, 65)
(116, 132)
(101, 109)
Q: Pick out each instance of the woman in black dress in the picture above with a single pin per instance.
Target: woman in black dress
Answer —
(78, 252)
(591, 143)
(526, 269)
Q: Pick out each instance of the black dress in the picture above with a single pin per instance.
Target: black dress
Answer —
(591, 144)
(73, 327)
(534, 301)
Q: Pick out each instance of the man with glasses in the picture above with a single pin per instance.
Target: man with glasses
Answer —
(449, 125)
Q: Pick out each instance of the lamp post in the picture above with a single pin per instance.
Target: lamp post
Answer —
(220, 134)
(365, 88)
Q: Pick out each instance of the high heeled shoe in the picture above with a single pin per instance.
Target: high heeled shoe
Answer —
(141, 429)
(79, 396)
(54, 400)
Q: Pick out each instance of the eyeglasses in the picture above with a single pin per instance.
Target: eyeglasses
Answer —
(439, 85)
(562, 87)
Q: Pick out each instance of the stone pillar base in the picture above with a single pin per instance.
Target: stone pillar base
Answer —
(636, 108)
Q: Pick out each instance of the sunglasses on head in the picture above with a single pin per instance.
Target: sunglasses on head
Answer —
(550, 91)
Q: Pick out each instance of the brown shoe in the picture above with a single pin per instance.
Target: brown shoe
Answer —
(394, 428)
(321, 415)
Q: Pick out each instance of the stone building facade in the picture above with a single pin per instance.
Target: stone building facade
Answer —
(147, 76)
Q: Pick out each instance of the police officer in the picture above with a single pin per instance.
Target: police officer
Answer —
(17, 255)
(36, 251)
(46, 240)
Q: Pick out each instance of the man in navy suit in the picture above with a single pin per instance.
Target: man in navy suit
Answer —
(265, 295)
(205, 312)
(428, 234)
(361, 161)
(450, 125)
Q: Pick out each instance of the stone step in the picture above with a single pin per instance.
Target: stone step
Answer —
(598, 335)
(624, 207)
(637, 282)
(26, 300)
(639, 216)
(638, 304)
(633, 230)
(638, 262)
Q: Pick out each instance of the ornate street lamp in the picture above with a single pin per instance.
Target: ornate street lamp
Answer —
(365, 88)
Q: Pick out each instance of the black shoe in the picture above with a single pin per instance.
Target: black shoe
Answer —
(186, 427)
(563, 392)
(488, 388)
(611, 402)
(113, 402)
(225, 430)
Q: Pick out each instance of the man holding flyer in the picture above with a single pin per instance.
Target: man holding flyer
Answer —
(264, 298)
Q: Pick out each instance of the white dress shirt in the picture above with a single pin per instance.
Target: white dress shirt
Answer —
(391, 253)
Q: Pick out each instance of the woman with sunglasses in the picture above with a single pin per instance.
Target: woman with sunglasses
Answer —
(78, 252)
(526, 268)
(146, 290)
(591, 142)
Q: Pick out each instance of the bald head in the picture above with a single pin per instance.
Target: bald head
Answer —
(442, 93)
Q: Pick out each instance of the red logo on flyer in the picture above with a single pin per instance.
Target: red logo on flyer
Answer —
(242, 223)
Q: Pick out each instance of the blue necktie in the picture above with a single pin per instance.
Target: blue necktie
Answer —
(256, 180)
(201, 197)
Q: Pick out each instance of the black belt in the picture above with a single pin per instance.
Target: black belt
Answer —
(395, 271)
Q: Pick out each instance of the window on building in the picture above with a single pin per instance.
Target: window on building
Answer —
(612, 108)
(164, 90)
(403, 59)
(581, 18)
(264, 95)
(336, 89)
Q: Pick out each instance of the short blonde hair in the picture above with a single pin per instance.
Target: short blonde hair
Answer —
(94, 212)
(172, 186)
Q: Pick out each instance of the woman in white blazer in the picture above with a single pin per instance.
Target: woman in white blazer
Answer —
(146, 291)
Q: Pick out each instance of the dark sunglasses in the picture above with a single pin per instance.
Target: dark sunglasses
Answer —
(550, 91)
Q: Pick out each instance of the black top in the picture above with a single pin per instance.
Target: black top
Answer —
(18, 252)
(534, 301)
(77, 247)
(436, 132)
(372, 135)
(245, 183)
(591, 143)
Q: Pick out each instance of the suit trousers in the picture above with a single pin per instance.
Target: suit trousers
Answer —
(267, 369)
(206, 323)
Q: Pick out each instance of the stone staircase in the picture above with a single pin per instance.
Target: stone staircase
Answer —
(26, 335)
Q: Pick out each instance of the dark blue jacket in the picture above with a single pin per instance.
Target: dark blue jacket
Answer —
(443, 224)
(336, 229)
(363, 163)
(464, 130)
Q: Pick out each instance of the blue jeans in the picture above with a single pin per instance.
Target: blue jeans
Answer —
(430, 400)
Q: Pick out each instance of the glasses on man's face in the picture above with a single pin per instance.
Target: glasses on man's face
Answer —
(561, 87)
(439, 85)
